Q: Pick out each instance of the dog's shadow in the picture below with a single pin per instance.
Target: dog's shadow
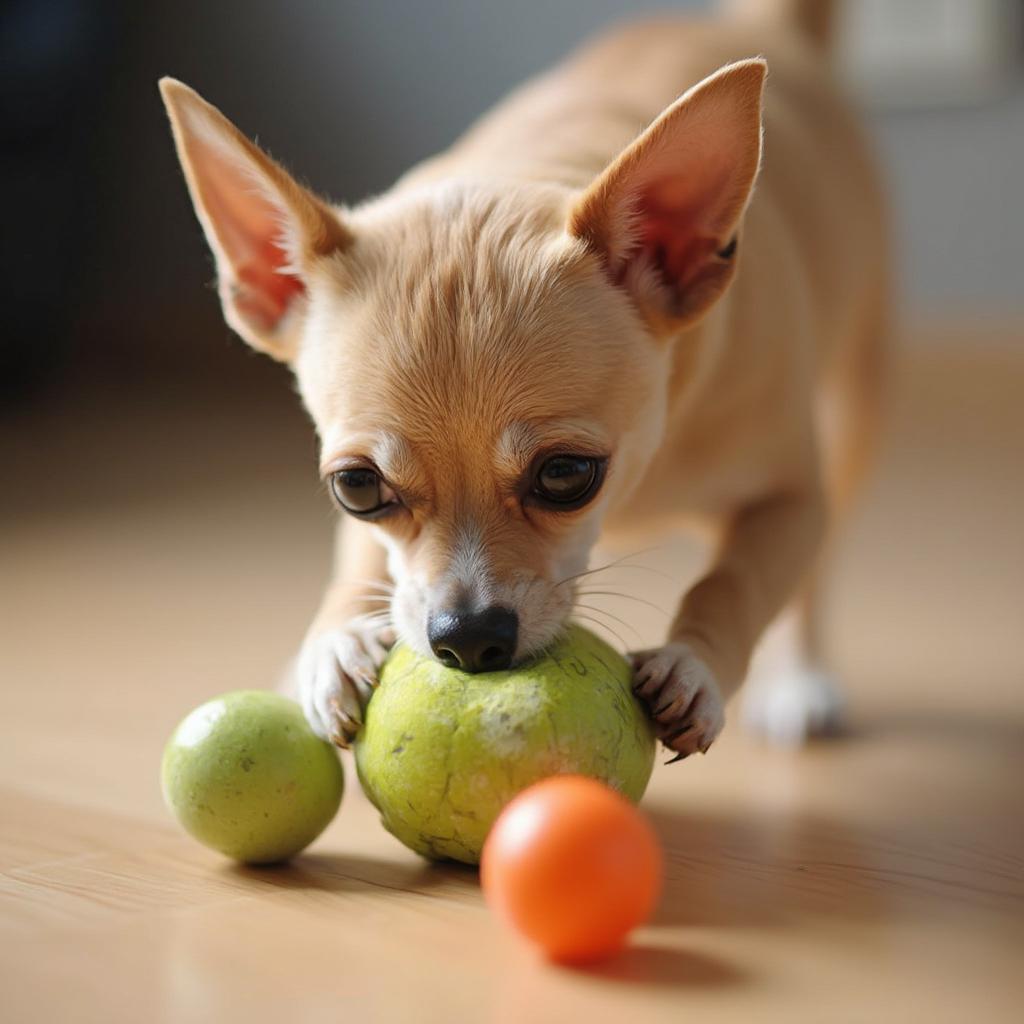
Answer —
(762, 870)
(765, 868)
(340, 875)
(719, 871)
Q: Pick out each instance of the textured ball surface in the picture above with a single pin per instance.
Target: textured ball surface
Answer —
(245, 775)
(573, 867)
(443, 751)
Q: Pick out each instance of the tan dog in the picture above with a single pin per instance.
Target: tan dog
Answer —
(559, 329)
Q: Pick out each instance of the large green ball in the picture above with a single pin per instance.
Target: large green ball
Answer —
(442, 751)
(246, 775)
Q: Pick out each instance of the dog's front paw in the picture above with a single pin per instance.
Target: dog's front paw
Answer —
(682, 696)
(335, 674)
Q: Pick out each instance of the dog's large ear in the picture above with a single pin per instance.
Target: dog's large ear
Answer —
(664, 215)
(265, 230)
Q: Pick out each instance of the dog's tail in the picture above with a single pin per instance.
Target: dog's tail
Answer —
(815, 18)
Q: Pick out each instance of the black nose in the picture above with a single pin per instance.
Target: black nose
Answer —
(474, 641)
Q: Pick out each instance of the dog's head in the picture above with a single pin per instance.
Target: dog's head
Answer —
(487, 363)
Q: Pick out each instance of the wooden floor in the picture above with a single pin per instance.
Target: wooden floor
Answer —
(154, 553)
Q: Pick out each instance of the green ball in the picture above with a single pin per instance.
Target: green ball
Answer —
(442, 751)
(246, 775)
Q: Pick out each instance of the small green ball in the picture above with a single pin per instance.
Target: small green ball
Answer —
(245, 775)
(442, 751)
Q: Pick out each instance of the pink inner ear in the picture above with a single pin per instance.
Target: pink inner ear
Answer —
(248, 226)
(675, 218)
(268, 292)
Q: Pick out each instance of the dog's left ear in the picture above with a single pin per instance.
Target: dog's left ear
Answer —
(664, 215)
(266, 231)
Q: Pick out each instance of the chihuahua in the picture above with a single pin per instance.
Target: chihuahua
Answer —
(571, 326)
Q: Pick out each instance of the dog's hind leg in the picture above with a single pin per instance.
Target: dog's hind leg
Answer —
(791, 694)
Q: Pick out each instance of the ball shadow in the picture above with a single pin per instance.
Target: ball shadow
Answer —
(646, 964)
(333, 872)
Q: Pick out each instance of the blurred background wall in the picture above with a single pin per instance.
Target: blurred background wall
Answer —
(106, 274)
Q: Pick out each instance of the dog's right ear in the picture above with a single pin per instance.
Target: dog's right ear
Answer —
(266, 231)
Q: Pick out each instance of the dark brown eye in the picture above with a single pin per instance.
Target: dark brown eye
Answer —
(362, 492)
(568, 481)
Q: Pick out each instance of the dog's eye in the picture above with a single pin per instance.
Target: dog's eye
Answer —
(362, 492)
(568, 481)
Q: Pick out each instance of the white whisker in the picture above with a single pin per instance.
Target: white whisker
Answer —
(381, 585)
(382, 618)
(603, 625)
(628, 597)
(614, 618)
(619, 562)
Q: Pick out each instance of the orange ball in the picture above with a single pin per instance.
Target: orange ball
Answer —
(573, 866)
